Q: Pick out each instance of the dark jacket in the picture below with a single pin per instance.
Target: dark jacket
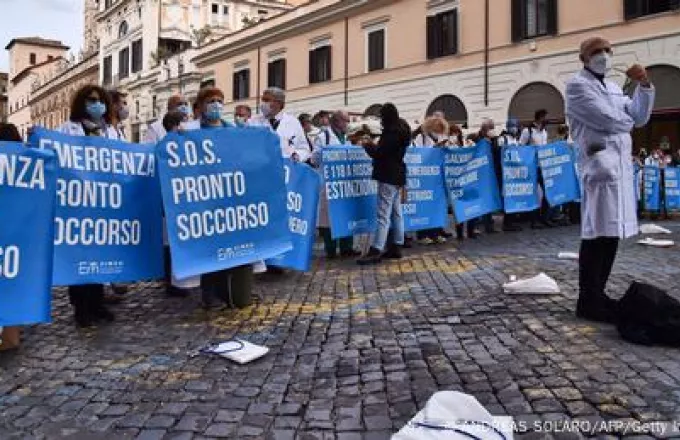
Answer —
(388, 155)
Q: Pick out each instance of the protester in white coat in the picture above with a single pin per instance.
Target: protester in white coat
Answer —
(601, 118)
(156, 131)
(293, 139)
(90, 116)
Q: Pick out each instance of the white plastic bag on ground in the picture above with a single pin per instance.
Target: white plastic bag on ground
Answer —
(540, 284)
(451, 415)
(650, 228)
(568, 255)
(238, 350)
(656, 243)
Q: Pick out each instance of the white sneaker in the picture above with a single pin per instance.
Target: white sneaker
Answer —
(441, 240)
(426, 241)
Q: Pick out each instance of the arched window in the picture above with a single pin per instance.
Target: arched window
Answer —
(453, 108)
(123, 29)
(536, 96)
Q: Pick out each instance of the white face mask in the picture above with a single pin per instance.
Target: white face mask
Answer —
(266, 109)
(123, 113)
(600, 63)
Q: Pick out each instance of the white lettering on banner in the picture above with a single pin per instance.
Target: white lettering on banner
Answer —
(89, 194)
(555, 161)
(97, 232)
(22, 172)
(208, 187)
(102, 159)
(9, 261)
(222, 220)
(515, 172)
(671, 183)
(297, 225)
(512, 156)
(424, 171)
(673, 192)
(192, 156)
(420, 195)
(409, 209)
(458, 158)
(551, 172)
(546, 152)
(335, 156)
(519, 189)
(412, 183)
(351, 188)
(413, 158)
(294, 203)
(466, 179)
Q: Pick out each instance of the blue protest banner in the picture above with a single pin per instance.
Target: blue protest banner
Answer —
(672, 188)
(652, 185)
(352, 193)
(426, 205)
(520, 179)
(224, 197)
(559, 173)
(302, 201)
(471, 181)
(27, 185)
(108, 215)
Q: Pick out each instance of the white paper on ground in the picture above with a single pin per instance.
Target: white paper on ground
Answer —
(656, 243)
(650, 228)
(233, 351)
(540, 284)
(452, 409)
(259, 267)
(568, 255)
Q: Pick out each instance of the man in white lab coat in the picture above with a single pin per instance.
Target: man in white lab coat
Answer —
(294, 143)
(601, 118)
(156, 131)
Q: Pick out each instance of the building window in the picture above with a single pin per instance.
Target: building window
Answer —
(276, 74)
(153, 106)
(107, 68)
(225, 10)
(32, 58)
(107, 4)
(640, 8)
(137, 56)
(124, 63)
(262, 12)
(122, 29)
(375, 41)
(533, 18)
(442, 34)
(215, 9)
(320, 64)
(241, 85)
(50, 57)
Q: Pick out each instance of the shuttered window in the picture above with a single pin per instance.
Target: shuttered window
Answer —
(442, 34)
(137, 56)
(533, 18)
(640, 8)
(124, 63)
(276, 74)
(376, 50)
(320, 64)
(108, 75)
(241, 88)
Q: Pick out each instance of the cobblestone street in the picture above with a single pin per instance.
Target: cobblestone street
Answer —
(355, 352)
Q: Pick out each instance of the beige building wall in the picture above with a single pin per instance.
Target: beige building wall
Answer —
(51, 100)
(412, 81)
(3, 97)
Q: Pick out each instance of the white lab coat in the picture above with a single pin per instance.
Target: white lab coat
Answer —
(603, 115)
(290, 132)
(506, 139)
(535, 136)
(76, 129)
(155, 133)
(325, 138)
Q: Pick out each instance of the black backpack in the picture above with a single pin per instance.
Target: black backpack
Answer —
(647, 315)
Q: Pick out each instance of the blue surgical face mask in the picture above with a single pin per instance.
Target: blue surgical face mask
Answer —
(96, 110)
(214, 111)
(184, 109)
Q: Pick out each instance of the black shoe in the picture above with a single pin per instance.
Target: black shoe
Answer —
(407, 244)
(350, 253)
(474, 234)
(393, 253)
(176, 292)
(603, 309)
(512, 228)
(371, 257)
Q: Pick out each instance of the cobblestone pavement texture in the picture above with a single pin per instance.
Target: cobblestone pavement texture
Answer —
(355, 352)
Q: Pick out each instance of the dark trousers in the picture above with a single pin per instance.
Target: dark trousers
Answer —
(596, 259)
(167, 265)
(86, 298)
(233, 286)
(345, 244)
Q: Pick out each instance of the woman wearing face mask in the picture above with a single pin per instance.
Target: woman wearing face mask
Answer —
(231, 286)
(90, 116)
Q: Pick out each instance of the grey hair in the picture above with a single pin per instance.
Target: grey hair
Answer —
(338, 115)
(277, 93)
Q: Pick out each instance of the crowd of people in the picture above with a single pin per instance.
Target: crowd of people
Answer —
(97, 112)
